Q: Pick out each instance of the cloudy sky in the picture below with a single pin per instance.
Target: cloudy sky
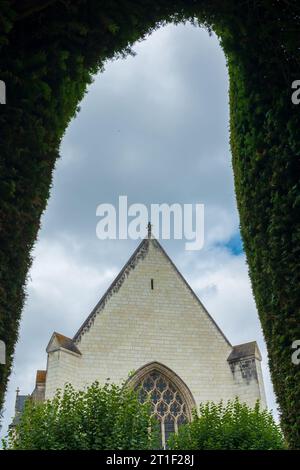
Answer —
(154, 127)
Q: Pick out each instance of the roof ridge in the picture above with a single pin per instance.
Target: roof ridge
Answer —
(64, 342)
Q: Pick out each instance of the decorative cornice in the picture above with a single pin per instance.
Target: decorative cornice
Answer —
(138, 254)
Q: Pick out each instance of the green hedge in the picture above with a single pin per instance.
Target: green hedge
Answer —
(99, 418)
(49, 52)
(230, 426)
(111, 417)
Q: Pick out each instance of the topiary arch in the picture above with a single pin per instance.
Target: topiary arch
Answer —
(49, 51)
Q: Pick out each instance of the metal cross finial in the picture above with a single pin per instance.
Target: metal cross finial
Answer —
(17, 391)
(149, 229)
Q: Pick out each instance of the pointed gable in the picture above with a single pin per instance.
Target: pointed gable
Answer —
(138, 255)
(150, 315)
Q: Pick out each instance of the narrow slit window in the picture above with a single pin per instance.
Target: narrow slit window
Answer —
(152, 284)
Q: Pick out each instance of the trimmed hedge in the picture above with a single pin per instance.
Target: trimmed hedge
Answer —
(49, 52)
(230, 426)
(99, 418)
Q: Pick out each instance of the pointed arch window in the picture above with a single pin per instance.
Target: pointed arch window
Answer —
(170, 398)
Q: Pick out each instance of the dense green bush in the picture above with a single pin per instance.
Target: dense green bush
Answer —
(102, 418)
(111, 417)
(234, 426)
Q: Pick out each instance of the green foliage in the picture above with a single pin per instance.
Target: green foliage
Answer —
(49, 53)
(99, 418)
(234, 426)
(111, 417)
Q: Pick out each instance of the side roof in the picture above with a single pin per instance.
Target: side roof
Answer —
(244, 350)
(40, 376)
(58, 341)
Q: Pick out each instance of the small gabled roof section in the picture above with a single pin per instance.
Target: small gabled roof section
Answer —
(40, 376)
(38, 393)
(242, 351)
(19, 408)
(59, 341)
(20, 403)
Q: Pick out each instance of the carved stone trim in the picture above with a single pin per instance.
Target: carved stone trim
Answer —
(171, 376)
(139, 254)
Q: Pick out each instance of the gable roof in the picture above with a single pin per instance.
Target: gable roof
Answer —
(20, 403)
(40, 376)
(19, 408)
(244, 350)
(138, 254)
(58, 341)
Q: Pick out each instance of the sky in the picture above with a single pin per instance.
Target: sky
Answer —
(154, 127)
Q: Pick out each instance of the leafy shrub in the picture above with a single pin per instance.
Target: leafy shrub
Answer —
(234, 426)
(101, 417)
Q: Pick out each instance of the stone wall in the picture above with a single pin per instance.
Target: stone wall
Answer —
(136, 325)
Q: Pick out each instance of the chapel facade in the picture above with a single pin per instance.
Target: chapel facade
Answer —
(151, 324)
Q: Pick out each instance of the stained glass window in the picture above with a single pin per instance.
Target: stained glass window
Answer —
(166, 400)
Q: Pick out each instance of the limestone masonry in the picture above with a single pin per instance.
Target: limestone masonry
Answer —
(151, 322)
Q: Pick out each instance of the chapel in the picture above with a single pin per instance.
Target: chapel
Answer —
(151, 330)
